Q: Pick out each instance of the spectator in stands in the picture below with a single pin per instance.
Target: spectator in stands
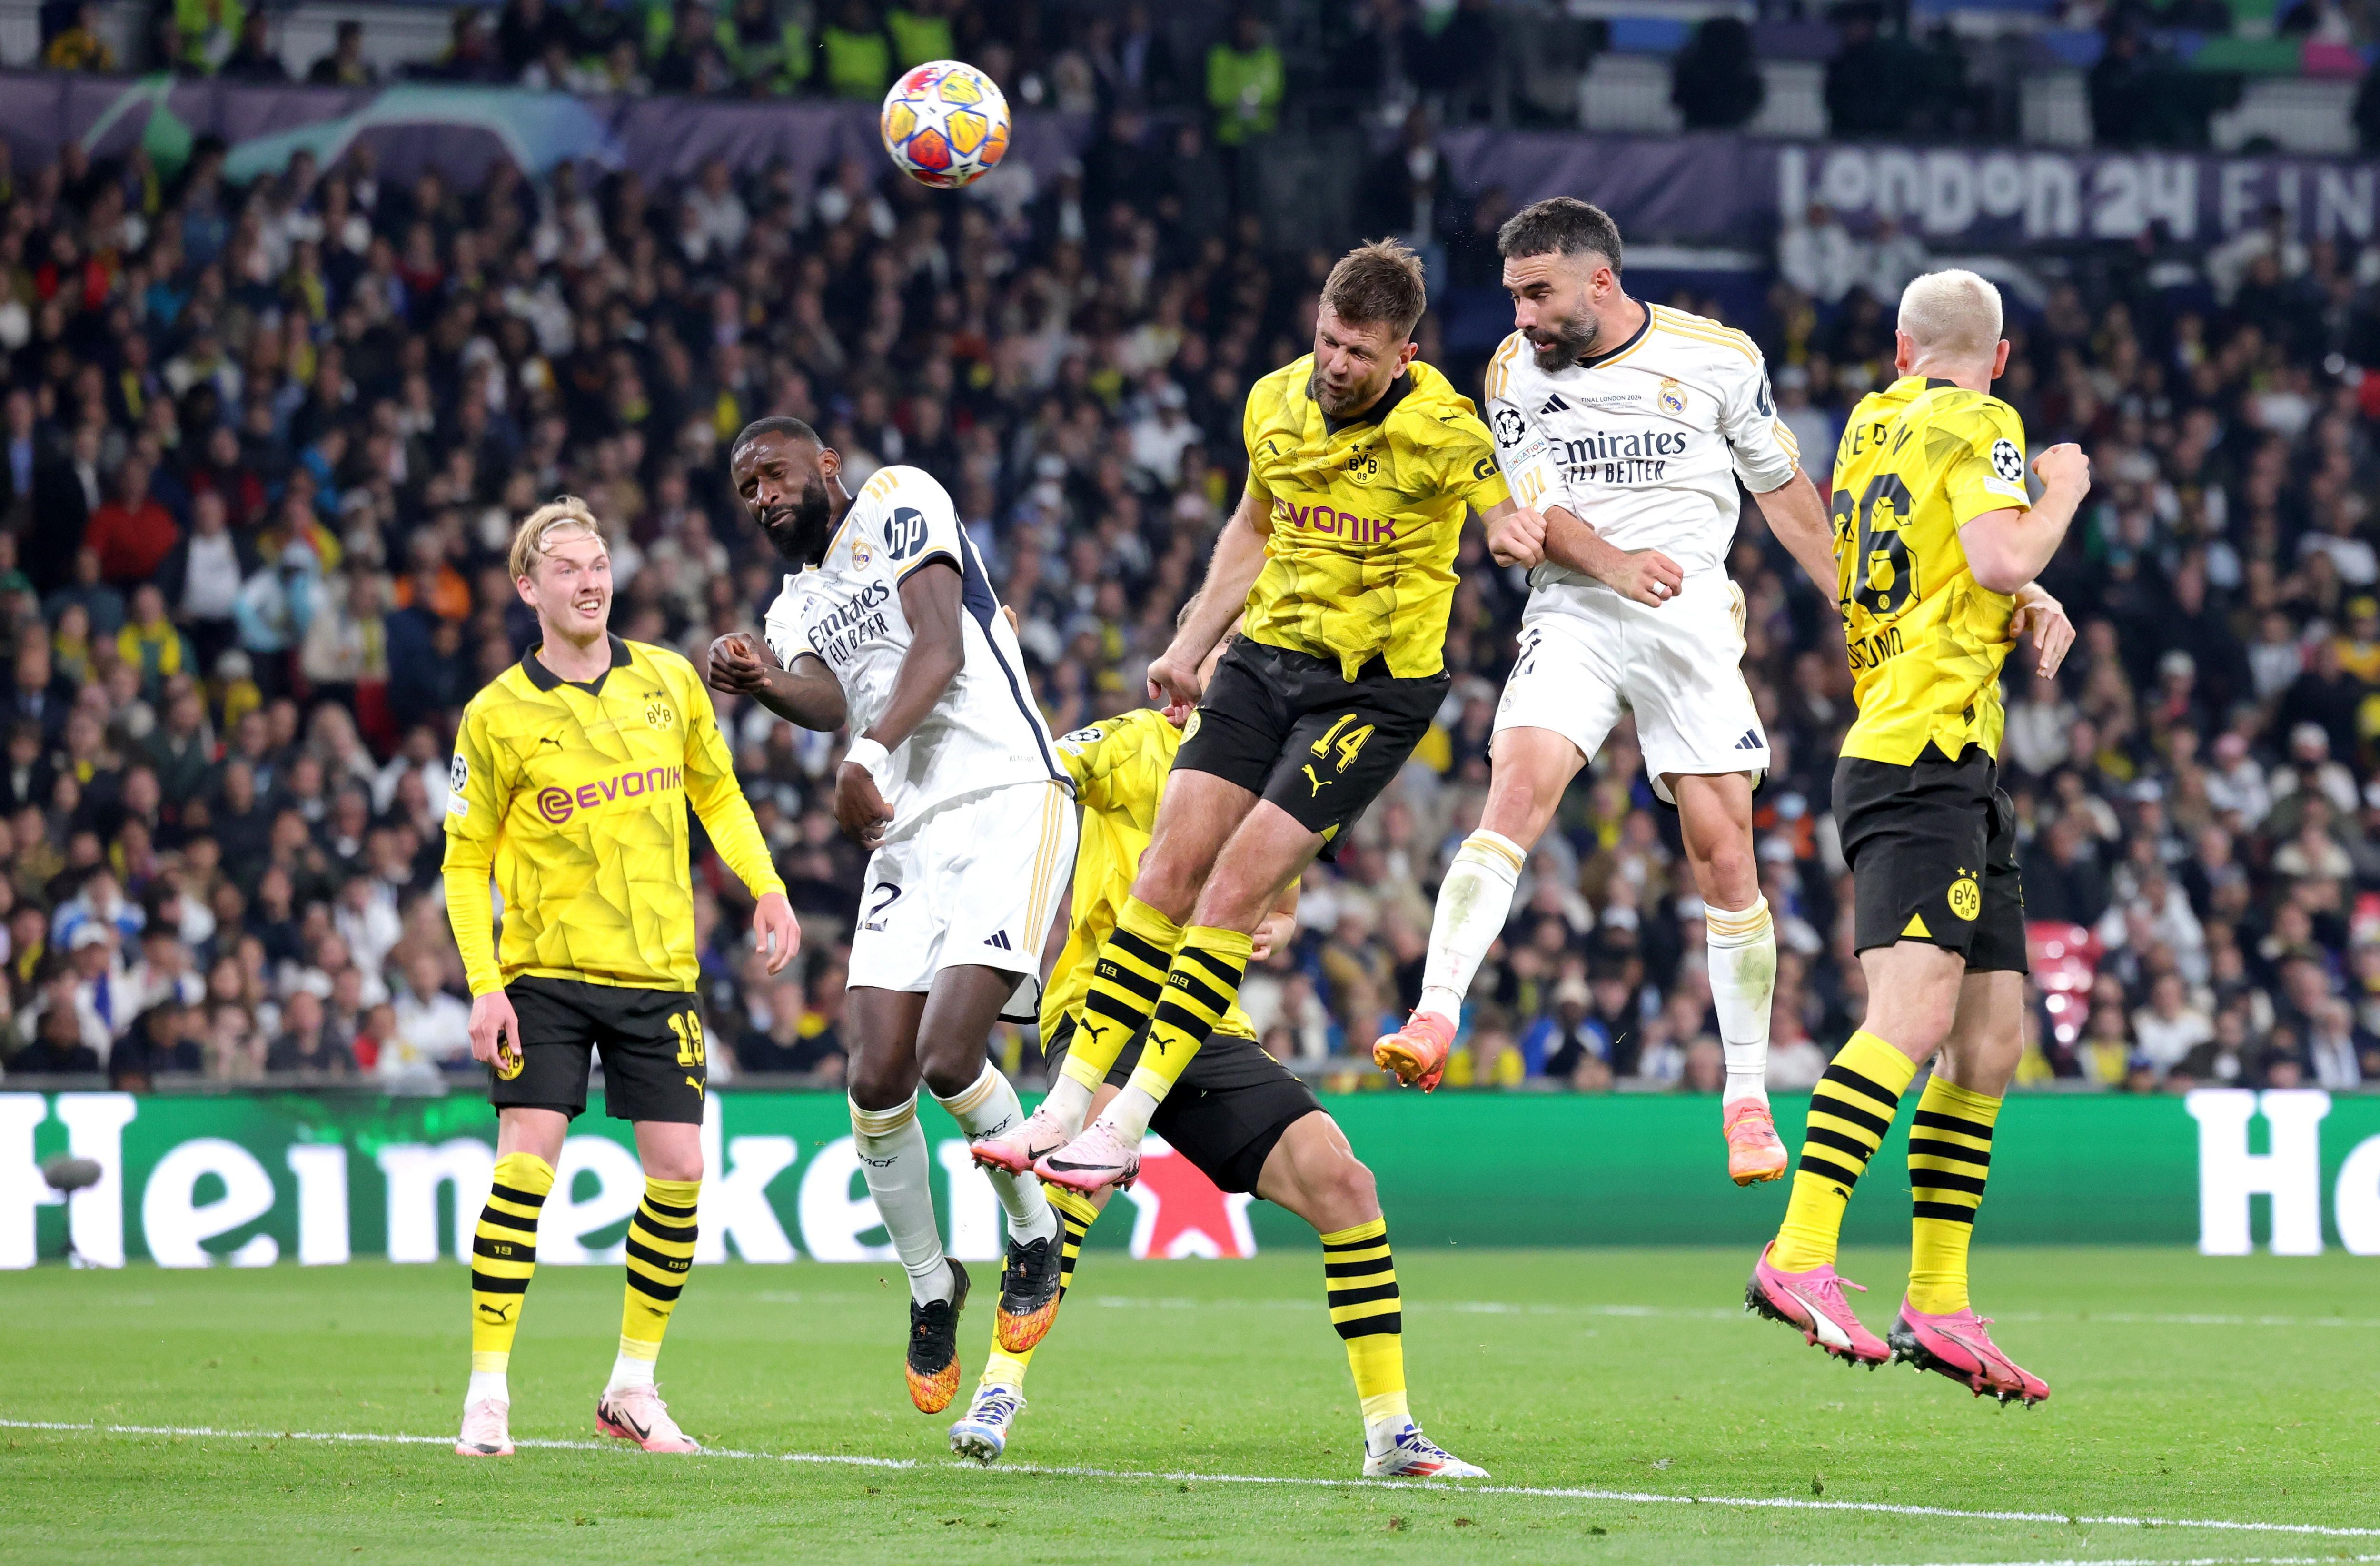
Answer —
(1715, 83)
(856, 53)
(253, 60)
(1875, 79)
(79, 47)
(1245, 80)
(345, 66)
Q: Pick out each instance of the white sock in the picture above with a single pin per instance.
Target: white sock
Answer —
(1129, 1110)
(1473, 903)
(487, 1384)
(900, 1172)
(989, 1107)
(1742, 980)
(627, 1371)
(1067, 1102)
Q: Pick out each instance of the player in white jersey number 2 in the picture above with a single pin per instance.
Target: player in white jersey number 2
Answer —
(1626, 427)
(951, 780)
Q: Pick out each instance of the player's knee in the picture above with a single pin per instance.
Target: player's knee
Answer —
(1347, 1192)
(1729, 874)
(875, 1085)
(949, 1066)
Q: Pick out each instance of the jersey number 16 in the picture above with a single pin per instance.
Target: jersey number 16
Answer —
(1884, 579)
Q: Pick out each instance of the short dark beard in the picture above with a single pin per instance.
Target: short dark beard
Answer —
(1573, 340)
(1314, 389)
(800, 533)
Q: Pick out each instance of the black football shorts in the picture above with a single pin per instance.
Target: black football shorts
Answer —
(1291, 727)
(1232, 1106)
(1931, 848)
(654, 1062)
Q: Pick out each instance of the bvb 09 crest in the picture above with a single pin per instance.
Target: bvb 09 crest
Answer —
(658, 714)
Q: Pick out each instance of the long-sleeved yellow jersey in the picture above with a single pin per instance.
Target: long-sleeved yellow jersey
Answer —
(575, 796)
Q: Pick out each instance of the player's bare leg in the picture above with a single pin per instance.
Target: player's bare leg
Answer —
(1313, 1172)
(1949, 1157)
(1529, 770)
(1912, 995)
(1715, 821)
(1196, 818)
(1268, 850)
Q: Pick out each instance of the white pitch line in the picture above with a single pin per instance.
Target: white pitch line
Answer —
(2168, 1560)
(1551, 1492)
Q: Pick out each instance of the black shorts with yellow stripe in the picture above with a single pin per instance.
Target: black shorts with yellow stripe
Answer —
(1231, 1108)
(1932, 849)
(1291, 727)
(655, 1065)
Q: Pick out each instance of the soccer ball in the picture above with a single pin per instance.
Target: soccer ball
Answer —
(945, 124)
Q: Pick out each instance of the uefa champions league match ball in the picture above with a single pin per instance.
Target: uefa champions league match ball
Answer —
(946, 122)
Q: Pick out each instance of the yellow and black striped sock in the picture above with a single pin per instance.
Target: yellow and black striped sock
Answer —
(661, 1253)
(1076, 1213)
(1950, 1158)
(1126, 984)
(1203, 984)
(503, 1255)
(1359, 1278)
(1851, 1110)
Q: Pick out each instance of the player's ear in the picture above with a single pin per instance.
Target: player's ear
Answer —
(1999, 360)
(830, 463)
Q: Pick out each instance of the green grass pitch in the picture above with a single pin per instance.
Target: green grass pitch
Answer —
(2188, 1391)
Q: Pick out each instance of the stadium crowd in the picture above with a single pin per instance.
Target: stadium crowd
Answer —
(263, 448)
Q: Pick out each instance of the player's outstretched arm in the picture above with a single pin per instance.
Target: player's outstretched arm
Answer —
(1797, 514)
(807, 693)
(1645, 575)
(1238, 560)
(2007, 548)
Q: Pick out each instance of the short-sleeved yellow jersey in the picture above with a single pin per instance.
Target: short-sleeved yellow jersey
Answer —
(1119, 765)
(1918, 461)
(575, 794)
(1365, 518)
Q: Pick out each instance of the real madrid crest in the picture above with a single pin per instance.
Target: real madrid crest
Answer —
(1672, 395)
(859, 555)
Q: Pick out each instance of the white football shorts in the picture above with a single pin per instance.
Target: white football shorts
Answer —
(1587, 654)
(974, 885)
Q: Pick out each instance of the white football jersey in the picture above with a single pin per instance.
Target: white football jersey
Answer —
(1644, 442)
(986, 732)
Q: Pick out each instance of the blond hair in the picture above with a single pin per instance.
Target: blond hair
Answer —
(561, 511)
(1952, 314)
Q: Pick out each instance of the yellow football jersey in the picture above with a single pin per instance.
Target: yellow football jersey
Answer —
(1119, 765)
(1365, 518)
(575, 794)
(1918, 461)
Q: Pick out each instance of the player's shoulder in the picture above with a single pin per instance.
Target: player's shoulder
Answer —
(1510, 367)
(665, 663)
(897, 482)
(1273, 392)
(1125, 730)
(503, 700)
(1434, 415)
(1678, 335)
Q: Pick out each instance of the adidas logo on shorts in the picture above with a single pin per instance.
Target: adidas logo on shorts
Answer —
(1751, 741)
